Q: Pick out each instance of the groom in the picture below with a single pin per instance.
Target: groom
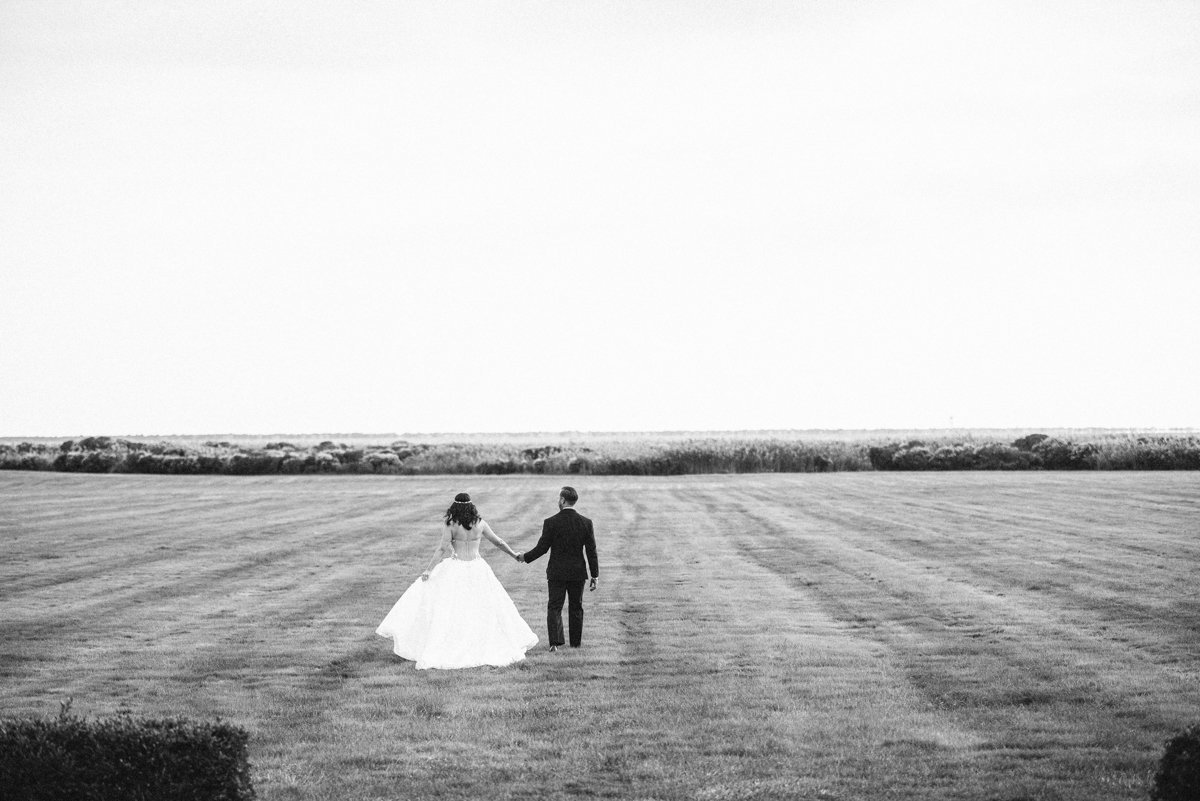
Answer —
(567, 536)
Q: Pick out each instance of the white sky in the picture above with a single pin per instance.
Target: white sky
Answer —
(254, 217)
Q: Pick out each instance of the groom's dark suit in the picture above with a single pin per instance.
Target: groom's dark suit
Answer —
(567, 536)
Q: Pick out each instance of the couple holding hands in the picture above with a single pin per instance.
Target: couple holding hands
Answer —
(458, 615)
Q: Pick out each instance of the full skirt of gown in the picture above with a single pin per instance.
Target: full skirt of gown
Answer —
(460, 618)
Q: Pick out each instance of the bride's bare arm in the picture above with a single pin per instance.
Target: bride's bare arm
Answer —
(439, 552)
(486, 530)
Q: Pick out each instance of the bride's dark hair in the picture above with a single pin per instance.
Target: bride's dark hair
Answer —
(462, 511)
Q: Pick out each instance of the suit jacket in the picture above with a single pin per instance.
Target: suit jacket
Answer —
(567, 536)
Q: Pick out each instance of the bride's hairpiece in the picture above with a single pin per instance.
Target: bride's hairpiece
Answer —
(458, 501)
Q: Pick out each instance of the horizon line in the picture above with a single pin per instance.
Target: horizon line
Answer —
(596, 432)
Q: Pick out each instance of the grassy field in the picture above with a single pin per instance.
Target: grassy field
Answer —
(995, 636)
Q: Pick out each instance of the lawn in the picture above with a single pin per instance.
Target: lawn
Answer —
(996, 636)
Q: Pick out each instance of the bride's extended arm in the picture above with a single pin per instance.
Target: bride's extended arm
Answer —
(486, 530)
(438, 552)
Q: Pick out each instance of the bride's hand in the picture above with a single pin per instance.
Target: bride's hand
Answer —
(425, 576)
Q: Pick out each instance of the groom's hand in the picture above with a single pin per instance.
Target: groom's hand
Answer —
(592, 586)
(520, 557)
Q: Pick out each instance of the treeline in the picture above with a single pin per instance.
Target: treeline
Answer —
(108, 455)
(644, 458)
(1042, 452)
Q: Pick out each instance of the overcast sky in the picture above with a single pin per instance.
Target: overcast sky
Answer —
(258, 217)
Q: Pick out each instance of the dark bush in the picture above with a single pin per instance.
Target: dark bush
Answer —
(252, 464)
(326, 462)
(1027, 442)
(14, 460)
(995, 456)
(542, 452)
(1059, 455)
(912, 457)
(291, 465)
(138, 462)
(123, 758)
(209, 464)
(68, 462)
(619, 467)
(176, 465)
(1178, 776)
(383, 461)
(98, 462)
(880, 456)
(507, 467)
(954, 457)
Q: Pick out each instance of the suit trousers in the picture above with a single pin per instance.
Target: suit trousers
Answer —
(574, 591)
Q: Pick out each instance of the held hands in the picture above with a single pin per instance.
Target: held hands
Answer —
(518, 556)
(425, 576)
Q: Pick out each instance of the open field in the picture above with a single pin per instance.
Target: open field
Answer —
(968, 635)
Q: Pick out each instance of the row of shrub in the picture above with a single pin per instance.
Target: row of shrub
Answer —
(105, 455)
(716, 455)
(128, 759)
(123, 758)
(1041, 452)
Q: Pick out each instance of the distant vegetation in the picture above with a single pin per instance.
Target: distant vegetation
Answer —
(596, 455)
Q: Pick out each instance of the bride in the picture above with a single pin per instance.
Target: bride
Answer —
(457, 615)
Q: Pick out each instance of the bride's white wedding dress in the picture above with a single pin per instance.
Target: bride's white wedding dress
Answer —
(460, 618)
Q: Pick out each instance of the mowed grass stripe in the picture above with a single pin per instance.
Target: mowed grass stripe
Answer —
(1056, 552)
(968, 651)
(1075, 596)
(837, 636)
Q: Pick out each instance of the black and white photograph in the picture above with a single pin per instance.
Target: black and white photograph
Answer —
(722, 400)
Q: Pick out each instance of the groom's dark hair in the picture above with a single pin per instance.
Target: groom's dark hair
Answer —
(569, 495)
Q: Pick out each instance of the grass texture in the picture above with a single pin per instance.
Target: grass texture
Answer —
(998, 636)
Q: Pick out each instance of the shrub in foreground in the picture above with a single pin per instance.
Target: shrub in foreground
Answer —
(1178, 777)
(123, 758)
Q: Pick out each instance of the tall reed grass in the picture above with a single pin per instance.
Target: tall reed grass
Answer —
(619, 455)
